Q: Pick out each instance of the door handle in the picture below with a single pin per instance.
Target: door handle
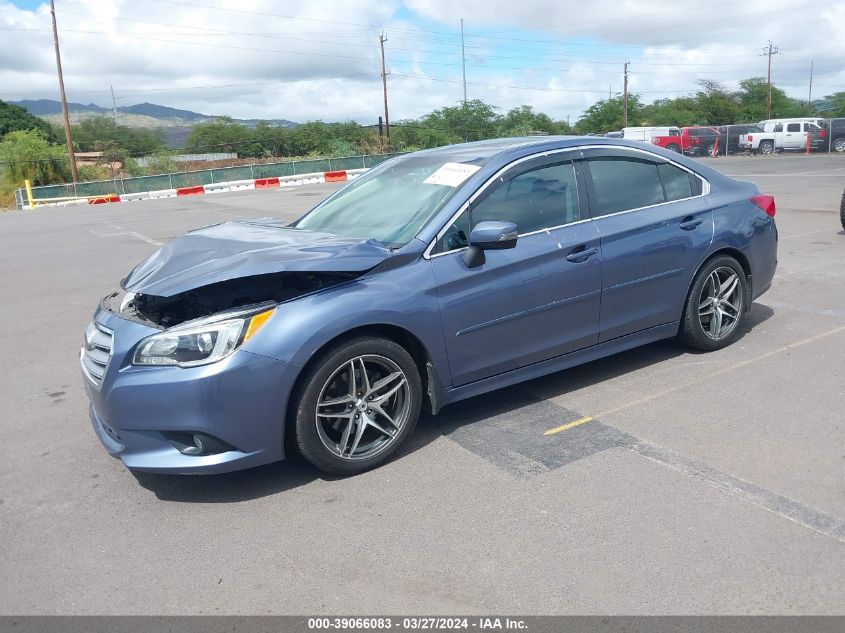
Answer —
(580, 254)
(688, 224)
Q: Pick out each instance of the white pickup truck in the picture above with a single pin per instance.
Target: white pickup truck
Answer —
(776, 136)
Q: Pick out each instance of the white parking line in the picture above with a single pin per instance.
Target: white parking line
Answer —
(124, 231)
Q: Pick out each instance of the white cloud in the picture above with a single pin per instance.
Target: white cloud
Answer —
(325, 64)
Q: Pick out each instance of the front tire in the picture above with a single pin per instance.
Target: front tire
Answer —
(356, 405)
(842, 210)
(715, 305)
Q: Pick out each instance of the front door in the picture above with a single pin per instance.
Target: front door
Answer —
(530, 303)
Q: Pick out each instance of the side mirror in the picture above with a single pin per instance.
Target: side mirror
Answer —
(488, 236)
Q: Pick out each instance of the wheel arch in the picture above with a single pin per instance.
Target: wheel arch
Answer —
(739, 256)
(431, 382)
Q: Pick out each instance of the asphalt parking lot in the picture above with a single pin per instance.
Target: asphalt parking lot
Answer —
(676, 483)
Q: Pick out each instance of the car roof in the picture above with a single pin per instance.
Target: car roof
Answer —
(483, 152)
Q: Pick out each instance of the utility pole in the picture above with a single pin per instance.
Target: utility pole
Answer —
(68, 136)
(381, 40)
(810, 94)
(464, 61)
(625, 98)
(113, 104)
(772, 50)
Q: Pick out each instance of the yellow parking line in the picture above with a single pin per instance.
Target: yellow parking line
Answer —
(569, 425)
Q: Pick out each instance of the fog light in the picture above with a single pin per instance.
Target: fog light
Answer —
(197, 443)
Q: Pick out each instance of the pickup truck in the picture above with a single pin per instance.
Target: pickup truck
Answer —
(772, 136)
(691, 141)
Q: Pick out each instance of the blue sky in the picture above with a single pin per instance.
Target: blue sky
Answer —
(303, 60)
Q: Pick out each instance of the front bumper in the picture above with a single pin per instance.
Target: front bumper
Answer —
(240, 400)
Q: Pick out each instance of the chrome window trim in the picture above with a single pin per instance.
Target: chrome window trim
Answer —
(705, 190)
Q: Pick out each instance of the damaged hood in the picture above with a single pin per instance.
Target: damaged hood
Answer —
(242, 248)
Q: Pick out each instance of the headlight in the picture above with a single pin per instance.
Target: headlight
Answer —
(202, 341)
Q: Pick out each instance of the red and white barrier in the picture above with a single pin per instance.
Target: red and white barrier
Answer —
(219, 187)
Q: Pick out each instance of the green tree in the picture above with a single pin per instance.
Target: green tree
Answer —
(223, 135)
(718, 105)
(838, 99)
(607, 115)
(27, 155)
(14, 118)
(523, 120)
(681, 112)
(752, 98)
(101, 130)
(470, 121)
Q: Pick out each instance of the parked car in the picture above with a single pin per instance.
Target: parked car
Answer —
(647, 134)
(835, 135)
(731, 134)
(434, 277)
(692, 140)
(776, 136)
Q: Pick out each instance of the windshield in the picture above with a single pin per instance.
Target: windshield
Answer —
(392, 202)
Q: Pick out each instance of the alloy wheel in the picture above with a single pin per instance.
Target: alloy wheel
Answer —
(720, 303)
(362, 407)
(839, 144)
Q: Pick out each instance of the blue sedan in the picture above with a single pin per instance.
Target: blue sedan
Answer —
(437, 276)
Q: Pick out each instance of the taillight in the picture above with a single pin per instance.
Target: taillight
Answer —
(656, 141)
(766, 202)
(750, 138)
(823, 133)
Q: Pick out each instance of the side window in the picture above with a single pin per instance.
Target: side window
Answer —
(624, 183)
(793, 127)
(677, 183)
(456, 236)
(537, 199)
(778, 127)
(534, 200)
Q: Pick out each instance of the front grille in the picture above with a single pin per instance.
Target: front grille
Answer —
(96, 352)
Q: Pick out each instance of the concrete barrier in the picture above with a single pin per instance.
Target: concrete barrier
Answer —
(190, 191)
(220, 187)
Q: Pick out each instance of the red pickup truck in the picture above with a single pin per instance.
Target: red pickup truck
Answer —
(690, 140)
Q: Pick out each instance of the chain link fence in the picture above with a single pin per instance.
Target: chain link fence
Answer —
(203, 177)
(831, 141)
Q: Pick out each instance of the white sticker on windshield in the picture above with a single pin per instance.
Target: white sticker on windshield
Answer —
(451, 174)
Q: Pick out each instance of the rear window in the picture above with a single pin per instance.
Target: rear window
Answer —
(676, 182)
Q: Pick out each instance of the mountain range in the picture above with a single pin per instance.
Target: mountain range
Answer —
(175, 123)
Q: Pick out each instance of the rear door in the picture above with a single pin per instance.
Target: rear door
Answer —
(655, 226)
(793, 136)
(526, 304)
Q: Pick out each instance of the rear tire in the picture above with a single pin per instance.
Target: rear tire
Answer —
(767, 147)
(708, 151)
(674, 148)
(715, 306)
(839, 144)
(356, 405)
